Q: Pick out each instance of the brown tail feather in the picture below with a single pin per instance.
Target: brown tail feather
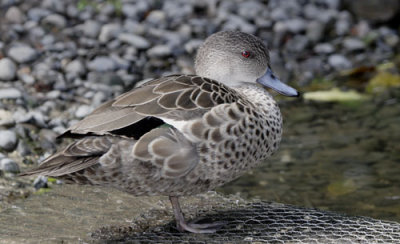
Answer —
(68, 166)
(78, 155)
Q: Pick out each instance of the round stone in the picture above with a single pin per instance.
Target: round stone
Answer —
(75, 67)
(22, 54)
(338, 62)
(159, 51)
(134, 40)
(83, 110)
(10, 93)
(14, 15)
(8, 165)
(324, 48)
(8, 69)
(8, 140)
(296, 25)
(56, 20)
(90, 28)
(108, 32)
(102, 64)
(6, 118)
(353, 44)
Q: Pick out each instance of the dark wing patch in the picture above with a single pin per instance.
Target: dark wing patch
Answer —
(140, 128)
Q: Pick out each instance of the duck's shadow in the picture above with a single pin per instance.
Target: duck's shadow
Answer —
(265, 222)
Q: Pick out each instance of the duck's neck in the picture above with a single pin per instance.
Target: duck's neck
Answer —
(258, 96)
(268, 109)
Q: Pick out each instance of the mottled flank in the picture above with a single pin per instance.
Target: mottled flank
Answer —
(218, 129)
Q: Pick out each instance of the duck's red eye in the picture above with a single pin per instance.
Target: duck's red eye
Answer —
(246, 54)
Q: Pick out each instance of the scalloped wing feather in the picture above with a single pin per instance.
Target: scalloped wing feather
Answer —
(167, 149)
(176, 96)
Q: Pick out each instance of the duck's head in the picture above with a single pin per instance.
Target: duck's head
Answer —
(235, 58)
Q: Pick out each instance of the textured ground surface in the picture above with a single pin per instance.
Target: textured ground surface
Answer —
(89, 214)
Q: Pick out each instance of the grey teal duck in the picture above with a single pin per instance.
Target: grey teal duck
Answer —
(181, 134)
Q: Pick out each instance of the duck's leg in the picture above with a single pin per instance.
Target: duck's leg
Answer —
(182, 225)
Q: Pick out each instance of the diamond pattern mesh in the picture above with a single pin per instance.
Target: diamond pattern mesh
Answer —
(262, 222)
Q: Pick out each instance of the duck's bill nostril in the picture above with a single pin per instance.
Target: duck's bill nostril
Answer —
(271, 81)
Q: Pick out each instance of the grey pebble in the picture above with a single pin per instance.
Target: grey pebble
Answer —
(6, 118)
(21, 116)
(22, 54)
(278, 14)
(54, 94)
(39, 119)
(353, 44)
(76, 68)
(56, 122)
(134, 40)
(27, 79)
(236, 22)
(47, 139)
(311, 11)
(8, 140)
(98, 98)
(40, 182)
(36, 14)
(338, 62)
(296, 25)
(130, 11)
(324, 48)
(59, 129)
(107, 9)
(56, 20)
(131, 26)
(127, 78)
(47, 40)
(101, 64)
(109, 31)
(159, 51)
(251, 9)
(14, 15)
(113, 44)
(315, 30)
(10, 93)
(392, 40)
(72, 11)
(335, 4)
(22, 130)
(83, 110)
(343, 24)
(192, 45)
(157, 18)
(54, 5)
(31, 117)
(23, 149)
(9, 165)
(36, 32)
(8, 69)
(90, 28)
(297, 44)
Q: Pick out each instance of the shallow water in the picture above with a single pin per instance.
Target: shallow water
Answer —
(341, 157)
